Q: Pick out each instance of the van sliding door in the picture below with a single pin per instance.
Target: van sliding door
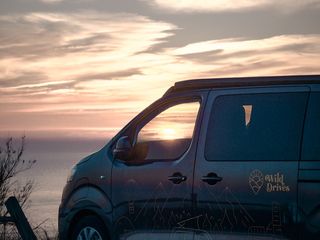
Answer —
(247, 163)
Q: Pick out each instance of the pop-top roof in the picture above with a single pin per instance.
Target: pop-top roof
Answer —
(243, 82)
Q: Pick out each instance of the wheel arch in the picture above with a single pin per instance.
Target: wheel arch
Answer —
(84, 201)
(84, 213)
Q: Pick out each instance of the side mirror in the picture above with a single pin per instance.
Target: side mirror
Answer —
(123, 148)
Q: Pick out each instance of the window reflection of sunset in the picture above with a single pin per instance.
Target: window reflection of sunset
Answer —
(168, 133)
(176, 122)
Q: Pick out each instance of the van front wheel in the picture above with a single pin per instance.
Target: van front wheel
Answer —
(89, 228)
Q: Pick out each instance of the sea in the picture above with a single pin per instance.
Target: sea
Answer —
(54, 160)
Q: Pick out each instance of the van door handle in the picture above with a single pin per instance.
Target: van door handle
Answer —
(211, 178)
(177, 178)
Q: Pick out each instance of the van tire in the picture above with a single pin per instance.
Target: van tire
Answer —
(89, 225)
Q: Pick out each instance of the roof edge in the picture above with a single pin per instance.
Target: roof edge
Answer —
(242, 82)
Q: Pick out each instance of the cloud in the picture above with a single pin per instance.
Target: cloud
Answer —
(75, 63)
(19, 78)
(268, 56)
(51, 1)
(295, 43)
(110, 75)
(41, 35)
(88, 69)
(230, 5)
(48, 47)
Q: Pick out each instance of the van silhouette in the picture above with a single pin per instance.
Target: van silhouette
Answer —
(232, 158)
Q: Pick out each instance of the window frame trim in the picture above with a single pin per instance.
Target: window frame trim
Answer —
(130, 129)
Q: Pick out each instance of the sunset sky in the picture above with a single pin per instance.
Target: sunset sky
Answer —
(84, 68)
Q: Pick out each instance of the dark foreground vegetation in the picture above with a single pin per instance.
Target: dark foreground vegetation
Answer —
(12, 163)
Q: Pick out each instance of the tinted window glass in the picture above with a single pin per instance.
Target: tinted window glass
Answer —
(169, 134)
(311, 145)
(256, 127)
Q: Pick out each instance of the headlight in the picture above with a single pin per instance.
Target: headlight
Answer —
(72, 173)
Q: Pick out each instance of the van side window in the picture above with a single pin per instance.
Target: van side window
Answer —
(311, 139)
(256, 127)
(168, 135)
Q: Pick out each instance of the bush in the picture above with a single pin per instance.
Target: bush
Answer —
(11, 164)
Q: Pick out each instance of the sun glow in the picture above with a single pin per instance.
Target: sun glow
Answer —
(169, 133)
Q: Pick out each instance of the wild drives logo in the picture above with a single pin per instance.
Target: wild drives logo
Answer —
(271, 182)
(256, 181)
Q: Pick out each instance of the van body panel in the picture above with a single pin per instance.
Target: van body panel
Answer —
(146, 203)
(309, 173)
(255, 198)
